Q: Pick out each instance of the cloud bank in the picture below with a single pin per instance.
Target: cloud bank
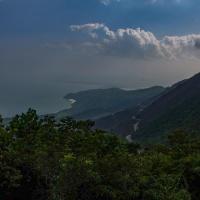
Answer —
(138, 43)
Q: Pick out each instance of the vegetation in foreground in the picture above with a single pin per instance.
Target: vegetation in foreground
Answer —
(41, 159)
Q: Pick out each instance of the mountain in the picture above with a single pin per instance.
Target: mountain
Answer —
(120, 123)
(124, 122)
(94, 104)
(177, 108)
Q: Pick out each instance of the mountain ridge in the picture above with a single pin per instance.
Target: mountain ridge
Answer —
(94, 104)
(177, 108)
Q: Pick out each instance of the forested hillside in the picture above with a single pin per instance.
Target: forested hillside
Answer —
(177, 108)
(43, 159)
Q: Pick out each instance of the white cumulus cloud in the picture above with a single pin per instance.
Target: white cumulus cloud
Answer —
(139, 43)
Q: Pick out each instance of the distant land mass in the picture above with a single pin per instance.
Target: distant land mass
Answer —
(94, 104)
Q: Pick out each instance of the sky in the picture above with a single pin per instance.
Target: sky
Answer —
(49, 48)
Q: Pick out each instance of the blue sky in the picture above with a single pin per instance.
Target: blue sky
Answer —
(51, 47)
(34, 18)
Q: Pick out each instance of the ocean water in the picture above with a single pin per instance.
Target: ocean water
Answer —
(45, 99)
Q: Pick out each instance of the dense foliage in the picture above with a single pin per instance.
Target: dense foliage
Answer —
(42, 159)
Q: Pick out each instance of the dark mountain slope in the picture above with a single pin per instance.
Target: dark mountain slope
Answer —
(124, 122)
(120, 123)
(93, 104)
(177, 108)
